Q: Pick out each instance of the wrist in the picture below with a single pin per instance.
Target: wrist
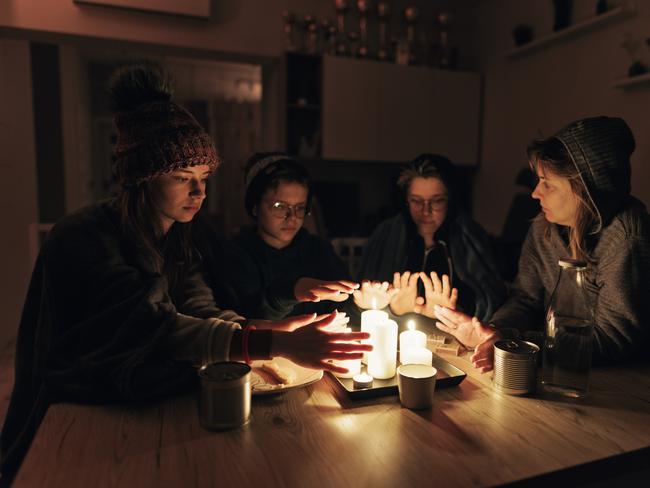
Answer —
(279, 343)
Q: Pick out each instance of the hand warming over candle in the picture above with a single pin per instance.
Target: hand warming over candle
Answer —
(375, 295)
(405, 300)
(313, 290)
(437, 292)
(311, 346)
(289, 324)
(471, 333)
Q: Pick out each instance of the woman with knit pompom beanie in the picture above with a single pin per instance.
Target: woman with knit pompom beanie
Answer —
(117, 309)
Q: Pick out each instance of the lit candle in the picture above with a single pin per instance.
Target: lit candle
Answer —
(369, 319)
(353, 365)
(382, 360)
(416, 355)
(412, 338)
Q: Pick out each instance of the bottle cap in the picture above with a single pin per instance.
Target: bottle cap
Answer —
(572, 263)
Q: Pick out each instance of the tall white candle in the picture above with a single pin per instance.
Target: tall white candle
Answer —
(412, 338)
(382, 360)
(353, 365)
(369, 319)
(416, 355)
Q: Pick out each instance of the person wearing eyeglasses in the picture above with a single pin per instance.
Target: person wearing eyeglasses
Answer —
(278, 268)
(431, 253)
(117, 309)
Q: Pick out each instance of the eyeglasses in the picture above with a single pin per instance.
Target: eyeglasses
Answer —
(419, 204)
(281, 210)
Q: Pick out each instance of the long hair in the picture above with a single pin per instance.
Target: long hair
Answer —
(550, 155)
(163, 254)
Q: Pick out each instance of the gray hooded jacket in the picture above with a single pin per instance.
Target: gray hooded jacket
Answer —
(619, 275)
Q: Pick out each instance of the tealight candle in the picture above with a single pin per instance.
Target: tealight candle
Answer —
(362, 380)
(369, 319)
(382, 360)
(416, 355)
(352, 365)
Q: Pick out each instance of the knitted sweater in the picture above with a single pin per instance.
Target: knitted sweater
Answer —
(100, 325)
(621, 269)
(619, 272)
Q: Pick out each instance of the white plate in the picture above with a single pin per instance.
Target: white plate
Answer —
(263, 384)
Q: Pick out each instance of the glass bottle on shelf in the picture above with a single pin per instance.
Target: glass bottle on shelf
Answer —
(569, 333)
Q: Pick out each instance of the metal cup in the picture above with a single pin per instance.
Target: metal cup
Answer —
(225, 398)
(515, 367)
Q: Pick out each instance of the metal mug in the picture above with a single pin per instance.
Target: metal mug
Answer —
(225, 395)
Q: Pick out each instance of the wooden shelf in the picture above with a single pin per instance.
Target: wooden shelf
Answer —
(617, 13)
(631, 82)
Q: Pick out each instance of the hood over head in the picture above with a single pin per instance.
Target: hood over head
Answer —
(600, 148)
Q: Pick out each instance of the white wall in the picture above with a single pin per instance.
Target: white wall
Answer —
(542, 91)
(18, 197)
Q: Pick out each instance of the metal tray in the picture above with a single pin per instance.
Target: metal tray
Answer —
(448, 375)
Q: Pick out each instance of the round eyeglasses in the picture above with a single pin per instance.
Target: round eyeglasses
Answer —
(419, 204)
(281, 210)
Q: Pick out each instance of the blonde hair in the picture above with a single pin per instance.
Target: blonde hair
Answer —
(550, 156)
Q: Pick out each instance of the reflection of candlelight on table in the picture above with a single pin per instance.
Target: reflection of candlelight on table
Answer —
(382, 360)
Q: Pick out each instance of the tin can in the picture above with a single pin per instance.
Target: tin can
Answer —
(515, 367)
(225, 395)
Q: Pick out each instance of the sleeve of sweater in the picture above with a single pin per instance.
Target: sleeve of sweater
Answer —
(523, 310)
(622, 312)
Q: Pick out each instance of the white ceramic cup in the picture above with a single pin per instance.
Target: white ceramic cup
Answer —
(416, 383)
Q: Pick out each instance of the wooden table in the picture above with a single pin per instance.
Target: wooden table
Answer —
(315, 436)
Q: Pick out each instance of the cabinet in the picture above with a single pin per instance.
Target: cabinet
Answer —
(370, 111)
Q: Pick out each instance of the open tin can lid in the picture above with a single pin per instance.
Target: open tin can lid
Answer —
(225, 373)
(517, 347)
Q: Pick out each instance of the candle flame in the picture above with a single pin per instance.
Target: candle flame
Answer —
(410, 325)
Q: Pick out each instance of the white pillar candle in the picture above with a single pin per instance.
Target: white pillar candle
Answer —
(412, 337)
(353, 365)
(416, 355)
(369, 319)
(382, 360)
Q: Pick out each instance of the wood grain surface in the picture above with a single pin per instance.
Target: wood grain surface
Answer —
(315, 436)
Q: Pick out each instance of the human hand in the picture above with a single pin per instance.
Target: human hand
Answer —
(483, 357)
(311, 346)
(404, 300)
(287, 324)
(469, 331)
(436, 292)
(375, 295)
(314, 290)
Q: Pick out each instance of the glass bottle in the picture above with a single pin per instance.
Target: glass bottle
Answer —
(569, 333)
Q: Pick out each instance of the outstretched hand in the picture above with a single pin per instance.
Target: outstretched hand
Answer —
(375, 294)
(314, 290)
(469, 331)
(405, 300)
(437, 292)
(311, 346)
